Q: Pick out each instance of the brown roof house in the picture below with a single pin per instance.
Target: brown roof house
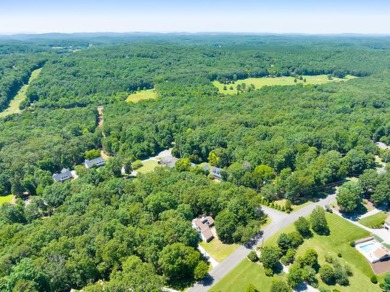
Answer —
(203, 225)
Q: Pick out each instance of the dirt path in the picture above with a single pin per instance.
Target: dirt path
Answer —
(101, 118)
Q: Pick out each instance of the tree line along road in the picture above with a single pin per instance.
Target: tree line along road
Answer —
(279, 220)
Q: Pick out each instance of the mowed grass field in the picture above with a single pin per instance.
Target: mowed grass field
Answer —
(278, 81)
(374, 220)
(148, 166)
(342, 233)
(6, 199)
(218, 250)
(243, 275)
(142, 95)
(13, 107)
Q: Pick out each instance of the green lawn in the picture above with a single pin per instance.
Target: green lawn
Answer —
(218, 250)
(242, 276)
(6, 199)
(142, 95)
(13, 107)
(148, 166)
(342, 233)
(374, 220)
(269, 81)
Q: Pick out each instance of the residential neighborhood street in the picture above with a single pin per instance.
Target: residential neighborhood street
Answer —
(279, 220)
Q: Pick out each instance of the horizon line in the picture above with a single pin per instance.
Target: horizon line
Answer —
(195, 33)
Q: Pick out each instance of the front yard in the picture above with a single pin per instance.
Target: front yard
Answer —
(338, 242)
(374, 220)
(218, 250)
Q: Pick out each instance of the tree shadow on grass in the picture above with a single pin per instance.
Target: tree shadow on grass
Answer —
(278, 269)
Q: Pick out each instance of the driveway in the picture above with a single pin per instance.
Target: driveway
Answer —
(279, 221)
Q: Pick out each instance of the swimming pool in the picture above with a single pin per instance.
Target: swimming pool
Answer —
(368, 247)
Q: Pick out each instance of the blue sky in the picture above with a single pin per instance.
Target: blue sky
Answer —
(283, 16)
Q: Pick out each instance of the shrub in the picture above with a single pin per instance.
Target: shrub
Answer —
(329, 259)
(290, 255)
(251, 288)
(268, 272)
(201, 270)
(352, 243)
(137, 164)
(318, 221)
(252, 256)
(303, 227)
(327, 275)
(339, 255)
(284, 260)
(270, 256)
(288, 205)
(374, 280)
(280, 286)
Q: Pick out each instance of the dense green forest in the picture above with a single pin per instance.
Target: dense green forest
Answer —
(272, 143)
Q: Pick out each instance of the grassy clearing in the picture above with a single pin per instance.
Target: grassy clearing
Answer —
(218, 250)
(6, 199)
(13, 107)
(142, 95)
(148, 166)
(282, 203)
(374, 220)
(342, 233)
(242, 276)
(277, 81)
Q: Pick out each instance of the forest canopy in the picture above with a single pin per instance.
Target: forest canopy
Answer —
(277, 142)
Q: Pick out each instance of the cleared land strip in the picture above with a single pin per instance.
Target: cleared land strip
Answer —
(278, 222)
(13, 107)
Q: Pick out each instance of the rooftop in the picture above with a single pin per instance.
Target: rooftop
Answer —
(99, 161)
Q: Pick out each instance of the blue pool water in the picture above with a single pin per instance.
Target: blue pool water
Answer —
(368, 248)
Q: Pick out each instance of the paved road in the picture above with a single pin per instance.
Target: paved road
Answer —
(279, 221)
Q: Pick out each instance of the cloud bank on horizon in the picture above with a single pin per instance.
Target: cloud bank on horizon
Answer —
(283, 16)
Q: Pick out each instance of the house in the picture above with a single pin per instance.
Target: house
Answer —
(387, 223)
(64, 175)
(94, 162)
(215, 171)
(202, 225)
(382, 145)
(168, 161)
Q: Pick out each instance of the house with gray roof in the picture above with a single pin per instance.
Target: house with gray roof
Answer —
(168, 161)
(215, 171)
(63, 176)
(99, 161)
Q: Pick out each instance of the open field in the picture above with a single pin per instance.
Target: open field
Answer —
(243, 275)
(342, 233)
(278, 81)
(148, 166)
(218, 250)
(374, 220)
(13, 107)
(6, 199)
(142, 95)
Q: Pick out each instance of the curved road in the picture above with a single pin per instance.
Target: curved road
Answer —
(279, 220)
